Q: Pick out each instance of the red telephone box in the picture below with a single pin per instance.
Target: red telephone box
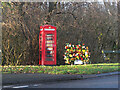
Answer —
(47, 45)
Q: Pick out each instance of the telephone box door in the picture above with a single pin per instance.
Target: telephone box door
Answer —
(50, 48)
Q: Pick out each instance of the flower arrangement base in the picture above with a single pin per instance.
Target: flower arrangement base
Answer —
(79, 62)
(84, 63)
(72, 63)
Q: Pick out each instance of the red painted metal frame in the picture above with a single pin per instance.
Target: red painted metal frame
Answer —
(42, 44)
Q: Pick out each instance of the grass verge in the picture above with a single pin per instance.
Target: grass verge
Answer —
(64, 69)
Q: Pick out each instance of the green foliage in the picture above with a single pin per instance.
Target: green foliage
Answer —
(6, 4)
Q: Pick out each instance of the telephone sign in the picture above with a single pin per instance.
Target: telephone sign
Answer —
(47, 45)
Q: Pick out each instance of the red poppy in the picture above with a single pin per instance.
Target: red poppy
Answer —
(65, 47)
(81, 58)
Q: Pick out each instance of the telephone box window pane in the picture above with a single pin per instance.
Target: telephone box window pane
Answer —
(49, 41)
(49, 52)
(40, 39)
(49, 55)
(49, 35)
(49, 48)
(49, 44)
(49, 38)
(49, 59)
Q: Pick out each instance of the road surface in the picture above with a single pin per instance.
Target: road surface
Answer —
(98, 82)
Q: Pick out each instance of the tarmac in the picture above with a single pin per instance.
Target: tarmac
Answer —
(11, 79)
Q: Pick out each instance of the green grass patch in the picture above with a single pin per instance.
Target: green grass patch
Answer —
(64, 69)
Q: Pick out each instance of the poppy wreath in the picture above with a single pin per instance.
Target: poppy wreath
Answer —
(76, 52)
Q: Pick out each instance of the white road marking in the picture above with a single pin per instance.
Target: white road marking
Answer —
(7, 86)
(21, 86)
(25, 86)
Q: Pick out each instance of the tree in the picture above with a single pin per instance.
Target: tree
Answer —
(93, 23)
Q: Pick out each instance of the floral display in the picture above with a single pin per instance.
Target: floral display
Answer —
(76, 52)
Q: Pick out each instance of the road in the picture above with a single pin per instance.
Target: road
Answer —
(98, 82)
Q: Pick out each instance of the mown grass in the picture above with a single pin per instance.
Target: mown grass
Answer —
(64, 69)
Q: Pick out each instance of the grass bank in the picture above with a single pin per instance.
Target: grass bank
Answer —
(64, 69)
